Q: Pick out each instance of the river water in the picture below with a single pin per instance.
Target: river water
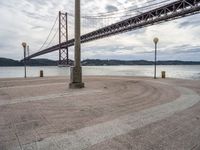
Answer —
(172, 71)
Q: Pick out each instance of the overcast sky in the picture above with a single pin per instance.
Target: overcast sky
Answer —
(31, 21)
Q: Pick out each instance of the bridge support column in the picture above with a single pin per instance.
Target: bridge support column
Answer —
(76, 71)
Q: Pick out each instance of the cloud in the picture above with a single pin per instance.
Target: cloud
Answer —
(31, 21)
(110, 8)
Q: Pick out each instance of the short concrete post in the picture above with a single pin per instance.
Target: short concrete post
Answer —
(163, 74)
(41, 74)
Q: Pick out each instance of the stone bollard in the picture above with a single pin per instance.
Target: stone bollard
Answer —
(163, 74)
(41, 73)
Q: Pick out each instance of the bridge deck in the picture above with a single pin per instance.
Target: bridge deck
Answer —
(110, 113)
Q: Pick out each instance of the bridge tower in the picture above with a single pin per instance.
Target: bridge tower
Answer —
(63, 37)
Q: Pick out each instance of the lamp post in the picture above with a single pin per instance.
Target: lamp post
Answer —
(28, 51)
(24, 46)
(155, 40)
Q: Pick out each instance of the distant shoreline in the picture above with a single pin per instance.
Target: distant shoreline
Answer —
(5, 62)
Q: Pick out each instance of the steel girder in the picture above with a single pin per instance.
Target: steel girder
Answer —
(175, 10)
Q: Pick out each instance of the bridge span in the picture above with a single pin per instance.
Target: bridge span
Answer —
(171, 11)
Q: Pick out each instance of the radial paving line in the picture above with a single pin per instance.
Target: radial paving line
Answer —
(31, 79)
(46, 97)
(35, 85)
(92, 135)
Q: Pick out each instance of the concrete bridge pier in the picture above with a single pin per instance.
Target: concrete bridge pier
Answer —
(76, 71)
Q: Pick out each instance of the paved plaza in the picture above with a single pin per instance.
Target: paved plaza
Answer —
(111, 113)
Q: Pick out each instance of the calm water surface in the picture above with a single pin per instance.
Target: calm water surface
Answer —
(183, 71)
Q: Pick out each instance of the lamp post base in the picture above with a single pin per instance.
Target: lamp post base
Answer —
(76, 78)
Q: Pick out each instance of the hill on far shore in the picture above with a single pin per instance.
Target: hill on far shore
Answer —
(9, 62)
(5, 62)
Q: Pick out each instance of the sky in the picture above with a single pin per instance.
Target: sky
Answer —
(31, 21)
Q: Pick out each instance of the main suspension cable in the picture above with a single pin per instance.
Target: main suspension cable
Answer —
(53, 37)
(49, 34)
(112, 14)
